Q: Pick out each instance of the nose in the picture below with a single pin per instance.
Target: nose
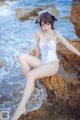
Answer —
(46, 26)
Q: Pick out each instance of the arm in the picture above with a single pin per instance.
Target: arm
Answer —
(67, 44)
(37, 44)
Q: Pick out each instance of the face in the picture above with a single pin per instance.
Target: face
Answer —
(46, 27)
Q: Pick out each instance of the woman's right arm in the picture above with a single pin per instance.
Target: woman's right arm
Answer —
(67, 44)
(37, 45)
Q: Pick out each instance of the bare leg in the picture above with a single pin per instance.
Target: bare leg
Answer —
(28, 61)
(39, 72)
(27, 93)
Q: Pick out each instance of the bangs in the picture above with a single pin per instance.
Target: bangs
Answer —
(46, 20)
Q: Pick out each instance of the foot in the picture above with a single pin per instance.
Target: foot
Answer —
(18, 113)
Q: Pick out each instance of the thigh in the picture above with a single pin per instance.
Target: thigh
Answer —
(31, 60)
(45, 70)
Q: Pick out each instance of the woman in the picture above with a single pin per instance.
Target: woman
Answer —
(46, 43)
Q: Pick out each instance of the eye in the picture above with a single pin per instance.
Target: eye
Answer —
(48, 23)
(43, 24)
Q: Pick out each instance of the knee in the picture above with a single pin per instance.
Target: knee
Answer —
(31, 76)
(21, 57)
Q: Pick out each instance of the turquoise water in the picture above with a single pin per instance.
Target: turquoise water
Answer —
(17, 37)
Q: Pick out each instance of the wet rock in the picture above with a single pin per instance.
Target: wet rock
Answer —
(69, 60)
(2, 0)
(47, 112)
(66, 17)
(25, 14)
(2, 4)
(4, 98)
(2, 63)
(63, 89)
(70, 64)
(16, 94)
(75, 17)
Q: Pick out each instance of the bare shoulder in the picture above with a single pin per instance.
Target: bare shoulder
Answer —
(37, 35)
(56, 33)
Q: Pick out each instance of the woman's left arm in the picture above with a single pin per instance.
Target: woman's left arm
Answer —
(67, 44)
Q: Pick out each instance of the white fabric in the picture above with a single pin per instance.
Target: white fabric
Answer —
(49, 10)
(48, 51)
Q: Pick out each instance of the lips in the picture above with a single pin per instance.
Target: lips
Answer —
(46, 30)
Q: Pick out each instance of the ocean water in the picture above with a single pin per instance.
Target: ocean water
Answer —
(17, 37)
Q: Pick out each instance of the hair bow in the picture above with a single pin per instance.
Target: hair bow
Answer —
(49, 10)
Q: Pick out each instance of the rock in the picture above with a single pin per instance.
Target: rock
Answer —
(4, 98)
(66, 17)
(75, 16)
(25, 14)
(16, 94)
(2, 4)
(69, 59)
(63, 89)
(46, 112)
(56, 85)
(55, 111)
(2, 63)
(70, 63)
(2, 0)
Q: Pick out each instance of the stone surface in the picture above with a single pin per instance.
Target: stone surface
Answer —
(2, 4)
(63, 89)
(2, 63)
(25, 14)
(75, 16)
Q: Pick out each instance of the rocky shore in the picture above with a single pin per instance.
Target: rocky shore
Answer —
(63, 89)
(75, 16)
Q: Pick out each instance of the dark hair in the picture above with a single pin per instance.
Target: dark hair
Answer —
(46, 18)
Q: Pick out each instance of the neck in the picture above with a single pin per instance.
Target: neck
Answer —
(49, 32)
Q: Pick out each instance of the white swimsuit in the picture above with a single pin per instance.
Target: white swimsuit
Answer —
(48, 51)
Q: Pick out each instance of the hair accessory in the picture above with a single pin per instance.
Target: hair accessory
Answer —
(49, 10)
